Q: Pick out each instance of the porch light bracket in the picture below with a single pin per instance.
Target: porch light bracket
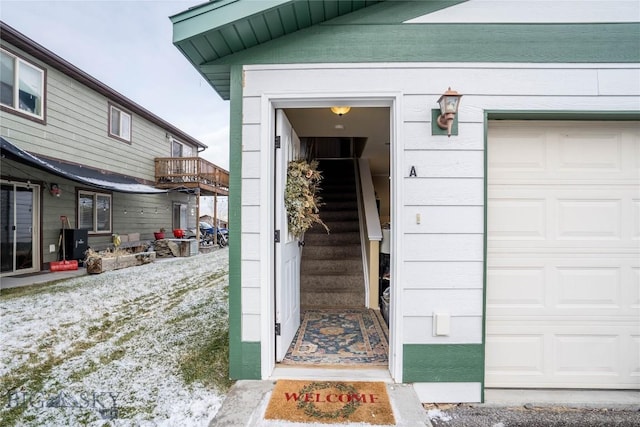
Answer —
(55, 190)
(449, 102)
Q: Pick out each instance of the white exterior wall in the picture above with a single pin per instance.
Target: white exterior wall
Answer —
(438, 264)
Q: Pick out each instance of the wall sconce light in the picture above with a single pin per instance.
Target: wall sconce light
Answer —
(449, 102)
(55, 190)
(340, 111)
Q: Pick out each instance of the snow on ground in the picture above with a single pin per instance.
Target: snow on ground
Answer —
(79, 348)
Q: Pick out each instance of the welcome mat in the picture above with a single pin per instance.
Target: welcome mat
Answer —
(330, 402)
(340, 336)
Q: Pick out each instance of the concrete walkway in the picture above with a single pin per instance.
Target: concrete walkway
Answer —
(247, 402)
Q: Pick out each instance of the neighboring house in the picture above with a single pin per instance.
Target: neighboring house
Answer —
(73, 147)
(514, 243)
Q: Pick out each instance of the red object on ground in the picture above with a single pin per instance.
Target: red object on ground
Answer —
(178, 233)
(63, 265)
(158, 236)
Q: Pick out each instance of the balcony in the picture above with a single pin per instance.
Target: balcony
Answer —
(191, 173)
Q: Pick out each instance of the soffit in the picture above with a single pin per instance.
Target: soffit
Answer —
(211, 31)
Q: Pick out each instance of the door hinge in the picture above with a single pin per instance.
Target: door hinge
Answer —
(278, 329)
(276, 236)
(277, 141)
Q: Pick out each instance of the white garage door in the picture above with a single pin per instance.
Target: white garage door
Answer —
(563, 256)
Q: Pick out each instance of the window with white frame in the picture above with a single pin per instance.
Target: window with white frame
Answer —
(21, 85)
(119, 123)
(178, 149)
(94, 211)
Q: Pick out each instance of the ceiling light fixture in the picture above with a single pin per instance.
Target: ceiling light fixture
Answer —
(340, 111)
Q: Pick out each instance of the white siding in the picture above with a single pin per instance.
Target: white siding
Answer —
(440, 260)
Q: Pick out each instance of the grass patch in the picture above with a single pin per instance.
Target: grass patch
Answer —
(208, 362)
(36, 289)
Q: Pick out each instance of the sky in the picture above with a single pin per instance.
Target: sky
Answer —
(126, 44)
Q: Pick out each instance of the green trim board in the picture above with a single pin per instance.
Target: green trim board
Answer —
(546, 43)
(443, 363)
(246, 366)
(243, 362)
(563, 115)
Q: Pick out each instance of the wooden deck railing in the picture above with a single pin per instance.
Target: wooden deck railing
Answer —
(191, 172)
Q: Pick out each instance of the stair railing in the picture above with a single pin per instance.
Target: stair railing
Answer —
(370, 231)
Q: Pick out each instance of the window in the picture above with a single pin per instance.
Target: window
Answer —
(21, 85)
(119, 123)
(178, 149)
(94, 211)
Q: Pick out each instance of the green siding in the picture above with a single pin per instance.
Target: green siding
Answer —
(537, 43)
(443, 363)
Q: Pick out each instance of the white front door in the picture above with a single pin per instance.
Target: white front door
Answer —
(287, 251)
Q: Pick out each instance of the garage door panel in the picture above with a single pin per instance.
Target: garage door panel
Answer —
(589, 153)
(571, 355)
(551, 286)
(634, 351)
(526, 154)
(589, 288)
(517, 288)
(515, 354)
(563, 255)
(635, 220)
(517, 219)
(590, 219)
(586, 355)
(634, 288)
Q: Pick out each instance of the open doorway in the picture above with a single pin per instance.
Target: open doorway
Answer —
(340, 318)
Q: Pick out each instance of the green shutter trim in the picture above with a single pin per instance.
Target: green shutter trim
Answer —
(536, 43)
(443, 363)
(244, 357)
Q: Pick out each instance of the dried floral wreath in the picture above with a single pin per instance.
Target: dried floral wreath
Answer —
(300, 198)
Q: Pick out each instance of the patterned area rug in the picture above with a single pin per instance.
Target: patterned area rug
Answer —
(340, 336)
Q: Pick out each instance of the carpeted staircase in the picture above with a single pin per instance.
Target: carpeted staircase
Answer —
(331, 271)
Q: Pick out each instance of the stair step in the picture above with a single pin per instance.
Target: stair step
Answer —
(335, 227)
(331, 252)
(339, 197)
(338, 205)
(325, 299)
(342, 238)
(332, 282)
(331, 266)
(339, 215)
